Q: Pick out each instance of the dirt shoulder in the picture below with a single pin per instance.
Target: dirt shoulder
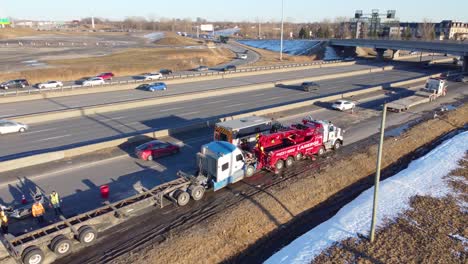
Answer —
(254, 228)
(431, 232)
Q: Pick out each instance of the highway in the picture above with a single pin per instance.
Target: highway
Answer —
(78, 181)
(61, 134)
(68, 102)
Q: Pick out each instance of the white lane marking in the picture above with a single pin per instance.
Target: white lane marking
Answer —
(170, 109)
(190, 113)
(273, 98)
(39, 131)
(235, 105)
(255, 95)
(113, 118)
(214, 102)
(46, 139)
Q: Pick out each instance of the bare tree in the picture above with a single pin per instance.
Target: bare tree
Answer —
(426, 29)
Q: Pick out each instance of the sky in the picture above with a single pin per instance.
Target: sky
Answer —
(232, 10)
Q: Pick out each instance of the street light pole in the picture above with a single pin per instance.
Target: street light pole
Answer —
(377, 173)
(281, 43)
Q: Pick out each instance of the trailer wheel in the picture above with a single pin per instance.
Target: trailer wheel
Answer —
(182, 197)
(197, 192)
(86, 235)
(279, 164)
(250, 171)
(321, 151)
(337, 145)
(33, 255)
(289, 161)
(62, 246)
(298, 156)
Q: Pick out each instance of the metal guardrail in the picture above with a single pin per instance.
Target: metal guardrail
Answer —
(32, 90)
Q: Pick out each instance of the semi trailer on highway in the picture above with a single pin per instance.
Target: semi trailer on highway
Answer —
(434, 88)
(220, 163)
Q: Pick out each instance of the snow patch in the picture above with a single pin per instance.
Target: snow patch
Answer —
(293, 47)
(394, 198)
(154, 36)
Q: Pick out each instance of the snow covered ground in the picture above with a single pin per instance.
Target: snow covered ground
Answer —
(154, 36)
(293, 47)
(423, 176)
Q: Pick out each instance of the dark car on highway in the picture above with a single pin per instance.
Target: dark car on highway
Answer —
(18, 83)
(155, 149)
(165, 71)
(229, 68)
(310, 86)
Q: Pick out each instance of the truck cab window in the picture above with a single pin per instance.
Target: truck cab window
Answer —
(239, 157)
(225, 166)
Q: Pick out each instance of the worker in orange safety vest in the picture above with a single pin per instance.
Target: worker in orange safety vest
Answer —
(4, 220)
(38, 211)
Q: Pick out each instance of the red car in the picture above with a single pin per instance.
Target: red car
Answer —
(106, 75)
(155, 149)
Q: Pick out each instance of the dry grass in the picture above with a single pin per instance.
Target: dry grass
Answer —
(173, 39)
(272, 58)
(11, 33)
(128, 62)
(421, 235)
(233, 231)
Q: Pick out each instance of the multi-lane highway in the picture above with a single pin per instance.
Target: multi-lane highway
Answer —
(67, 102)
(79, 183)
(54, 135)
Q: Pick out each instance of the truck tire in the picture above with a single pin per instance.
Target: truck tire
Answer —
(289, 162)
(32, 255)
(249, 171)
(183, 198)
(149, 158)
(337, 145)
(321, 151)
(298, 156)
(279, 164)
(62, 246)
(197, 192)
(86, 235)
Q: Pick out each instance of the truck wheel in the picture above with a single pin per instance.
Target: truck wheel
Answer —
(182, 197)
(298, 156)
(33, 255)
(87, 235)
(289, 162)
(149, 158)
(321, 151)
(250, 171)
(279, 165)
(337, 145)
(197, 192)
(62, 246)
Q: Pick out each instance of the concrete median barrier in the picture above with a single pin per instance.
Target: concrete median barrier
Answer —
(72, 152)
(86, 111)
(130, 86)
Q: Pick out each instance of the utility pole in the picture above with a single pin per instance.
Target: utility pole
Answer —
(377, 173)
(281, 44)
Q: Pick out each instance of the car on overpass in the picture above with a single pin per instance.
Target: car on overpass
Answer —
(49, 84)
(153, 87)
(93, 81)
(9, 126)
(18, 83)
(106, 75)
(155, 149)
(343, 105)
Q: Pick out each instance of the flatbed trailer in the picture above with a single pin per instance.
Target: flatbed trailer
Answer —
(58, 239)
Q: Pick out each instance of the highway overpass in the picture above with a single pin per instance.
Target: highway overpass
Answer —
(445, 47)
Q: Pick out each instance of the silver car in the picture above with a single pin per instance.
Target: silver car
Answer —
(8, 126)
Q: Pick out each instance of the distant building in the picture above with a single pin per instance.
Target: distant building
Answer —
(42, 25)
(449, 29)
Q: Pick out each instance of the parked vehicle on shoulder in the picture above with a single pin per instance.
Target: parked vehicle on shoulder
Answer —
(229, 68)
(155, 149)
(9, 126)
(165, 71)
(151, 76)
(18, 83)
(93, 81)
(242, 56)
(310, 86)
(152, 87)
(343, 105)
(106, 75)
(462, 78)
(202, 68)
(49, 84)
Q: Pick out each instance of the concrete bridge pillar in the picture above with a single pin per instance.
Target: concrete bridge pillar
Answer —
(395, 54)
(465, 64)
(380, 54)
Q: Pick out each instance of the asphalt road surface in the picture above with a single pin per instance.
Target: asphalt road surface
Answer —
(68, 102)
(79, 183)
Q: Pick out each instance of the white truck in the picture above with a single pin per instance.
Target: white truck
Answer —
(434, 88)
